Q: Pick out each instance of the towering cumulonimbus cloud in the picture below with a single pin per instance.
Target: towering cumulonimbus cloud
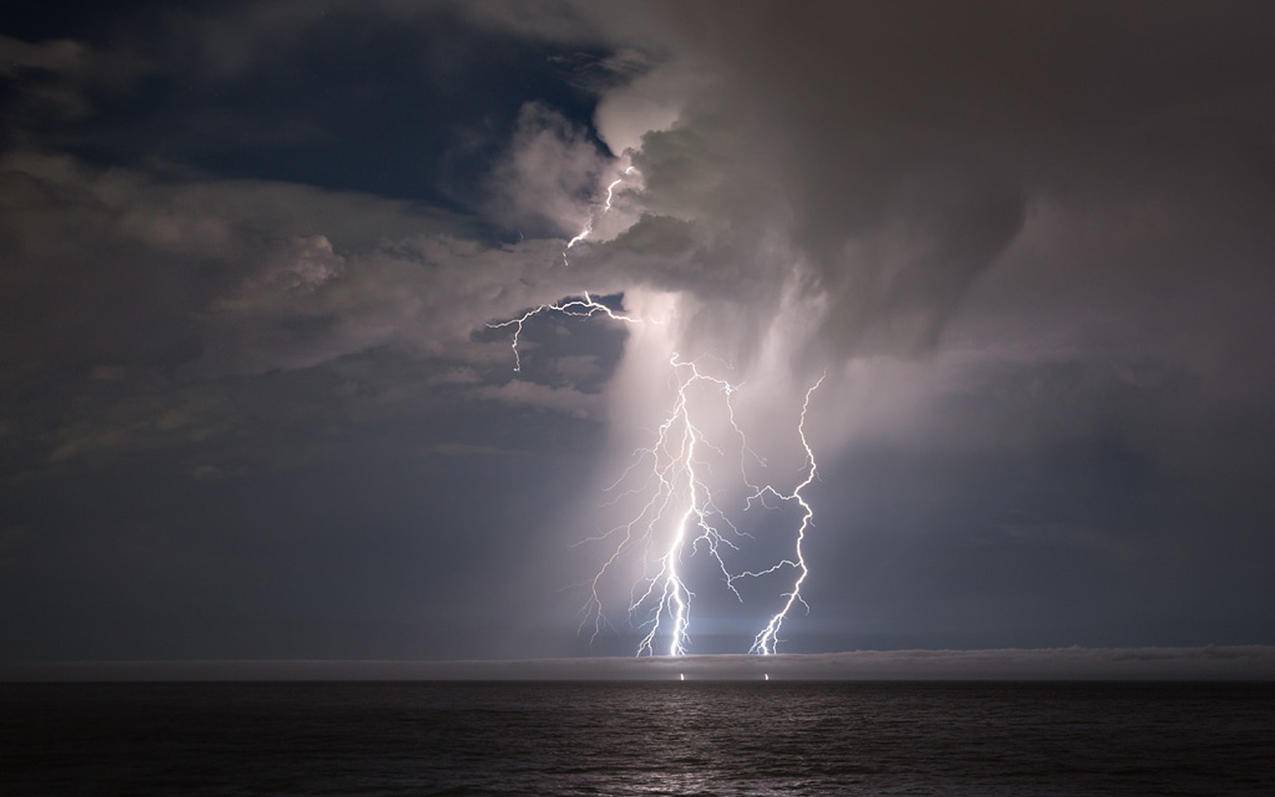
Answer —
(883, 158)
(829, 185)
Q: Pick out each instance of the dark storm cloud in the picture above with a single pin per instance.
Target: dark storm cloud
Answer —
(405, 100)
(893, 187)
(900, 150)
(1032, 244)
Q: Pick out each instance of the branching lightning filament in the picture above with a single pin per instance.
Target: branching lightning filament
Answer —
(582, 307)
(767, 640)
(680, 500)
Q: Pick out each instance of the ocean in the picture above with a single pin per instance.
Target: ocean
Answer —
(705, 738)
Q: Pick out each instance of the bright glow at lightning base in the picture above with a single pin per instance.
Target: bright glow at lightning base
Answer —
(678, 497)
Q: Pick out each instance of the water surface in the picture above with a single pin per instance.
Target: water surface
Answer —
(754, 738)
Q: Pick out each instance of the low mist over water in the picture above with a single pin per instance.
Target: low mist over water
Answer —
(1251, 662)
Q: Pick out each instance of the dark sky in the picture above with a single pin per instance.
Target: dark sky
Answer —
(250, 407)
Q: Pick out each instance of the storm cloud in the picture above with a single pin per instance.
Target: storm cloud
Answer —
(250, 258)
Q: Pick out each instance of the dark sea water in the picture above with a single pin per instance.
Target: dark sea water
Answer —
(751, 738)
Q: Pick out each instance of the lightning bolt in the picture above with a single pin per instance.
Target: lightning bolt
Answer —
(587, 230)
(679, 517)
(767, 640)
(674, 475)
(582, 307)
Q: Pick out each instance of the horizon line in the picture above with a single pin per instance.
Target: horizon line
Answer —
(1173, 663)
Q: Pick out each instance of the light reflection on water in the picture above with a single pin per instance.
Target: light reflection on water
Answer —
(692, 737)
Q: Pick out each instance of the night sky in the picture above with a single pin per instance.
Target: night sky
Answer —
(250, 406)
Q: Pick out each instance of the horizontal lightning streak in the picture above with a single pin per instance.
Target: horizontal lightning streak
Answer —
(584, 307)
